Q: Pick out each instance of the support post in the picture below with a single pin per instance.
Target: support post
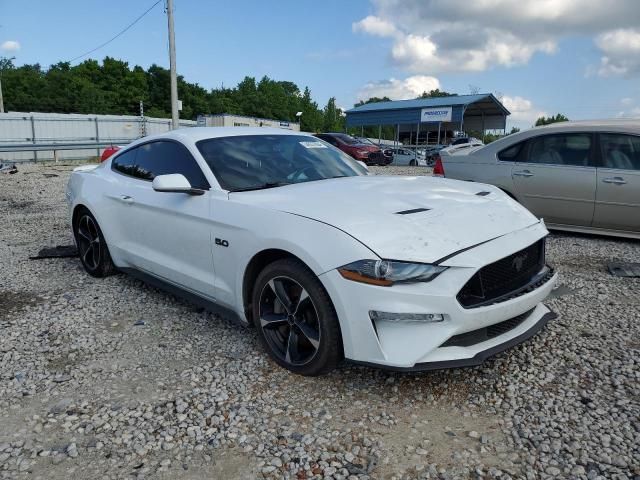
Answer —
(1, 99)
(439, 125)
(33, 138)
(97, 136)
(417, 134)
(379, 134)
(482, 127)
(175, 121)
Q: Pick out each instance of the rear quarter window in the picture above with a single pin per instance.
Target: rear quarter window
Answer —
(512, 153)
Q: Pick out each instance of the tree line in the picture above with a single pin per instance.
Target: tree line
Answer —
(113, 87)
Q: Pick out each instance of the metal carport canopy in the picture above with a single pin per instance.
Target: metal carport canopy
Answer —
(473, 110)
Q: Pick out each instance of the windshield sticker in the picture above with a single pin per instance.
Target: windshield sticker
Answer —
(313, 145)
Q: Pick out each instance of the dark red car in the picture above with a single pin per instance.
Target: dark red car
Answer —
(365, 152)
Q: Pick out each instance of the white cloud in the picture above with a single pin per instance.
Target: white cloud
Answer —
(626, 101)
(395, 89)
(374, 26)
(457, 35)
(621, 52)
(523, 113)
(632, 113)
(10, 46)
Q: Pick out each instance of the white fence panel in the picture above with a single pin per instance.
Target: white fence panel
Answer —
(46, 128)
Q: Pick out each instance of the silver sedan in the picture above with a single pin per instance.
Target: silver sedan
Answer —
(578, 176)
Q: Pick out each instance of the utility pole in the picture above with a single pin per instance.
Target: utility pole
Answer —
(172, 67)
(1, 100)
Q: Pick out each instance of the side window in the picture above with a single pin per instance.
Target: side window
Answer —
(620, 151)
(125, 162)
(162, 158)
(512, 153)
(572, 149)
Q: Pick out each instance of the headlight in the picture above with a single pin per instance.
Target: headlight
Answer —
(387, 272)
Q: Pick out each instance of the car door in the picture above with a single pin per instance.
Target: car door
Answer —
(618, 179)
(556, 178)
(168, 234)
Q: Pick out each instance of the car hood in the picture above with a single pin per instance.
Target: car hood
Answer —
(421, 219)
(365, 146)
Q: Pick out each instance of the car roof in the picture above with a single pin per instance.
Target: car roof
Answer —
(195, 134)
(617, 123)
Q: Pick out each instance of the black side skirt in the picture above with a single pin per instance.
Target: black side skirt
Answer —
(184, 294)
(467, 362)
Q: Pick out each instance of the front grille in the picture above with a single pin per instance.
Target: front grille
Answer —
(377, 157)
(494, 282)
(487, 333)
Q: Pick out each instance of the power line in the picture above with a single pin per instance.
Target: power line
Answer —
(117, 35)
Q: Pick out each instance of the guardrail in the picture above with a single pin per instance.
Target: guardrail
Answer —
(48, 147)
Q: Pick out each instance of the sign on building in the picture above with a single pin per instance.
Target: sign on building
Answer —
(436, 114)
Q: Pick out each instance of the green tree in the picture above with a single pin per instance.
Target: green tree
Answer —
(115, 87)
(552, 119)
(437, 93)
(372, 100)
(332, 117)
(312, 119)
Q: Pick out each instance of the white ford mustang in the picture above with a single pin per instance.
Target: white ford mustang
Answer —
(327, 262)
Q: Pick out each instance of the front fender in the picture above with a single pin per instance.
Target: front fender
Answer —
(249, 230)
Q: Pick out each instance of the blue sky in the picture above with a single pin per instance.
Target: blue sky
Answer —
(542, 56)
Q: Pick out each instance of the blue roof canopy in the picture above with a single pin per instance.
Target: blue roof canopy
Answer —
(483, 106)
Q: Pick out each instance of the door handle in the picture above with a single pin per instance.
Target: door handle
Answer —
(616, 180)
(523, 173)
(126, 199)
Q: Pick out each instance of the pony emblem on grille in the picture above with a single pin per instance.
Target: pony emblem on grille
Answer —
(518, 262)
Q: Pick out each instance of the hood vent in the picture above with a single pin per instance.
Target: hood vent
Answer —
(415, 210)
(483, 194)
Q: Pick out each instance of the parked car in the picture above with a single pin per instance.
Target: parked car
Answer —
(431, 152)
(288, 234)
(578, 176)
(462, 140)
(366, 153)
(387, 152)
(404, 156)
(110, 150)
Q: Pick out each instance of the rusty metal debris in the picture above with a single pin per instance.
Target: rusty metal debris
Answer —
(60, 251)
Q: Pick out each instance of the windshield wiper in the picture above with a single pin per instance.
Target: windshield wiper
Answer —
(260, 187)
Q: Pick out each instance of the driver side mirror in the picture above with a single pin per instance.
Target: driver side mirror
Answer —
(176, 183)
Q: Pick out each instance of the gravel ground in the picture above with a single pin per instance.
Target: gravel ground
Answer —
(114, 379)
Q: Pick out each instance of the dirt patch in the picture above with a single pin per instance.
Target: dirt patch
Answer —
(442, 436)
(14, 302)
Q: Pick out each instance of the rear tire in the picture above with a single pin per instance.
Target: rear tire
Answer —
(412, 163)
(295, 318)
(92, 247)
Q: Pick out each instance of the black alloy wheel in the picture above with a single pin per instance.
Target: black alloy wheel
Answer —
(92, 248)
(295, 318)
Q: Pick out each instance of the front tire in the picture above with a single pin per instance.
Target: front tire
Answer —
(295, 319)
(92, 247)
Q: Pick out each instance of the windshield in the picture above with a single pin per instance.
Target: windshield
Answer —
(251, 162)
(348, 139)
(365, 141)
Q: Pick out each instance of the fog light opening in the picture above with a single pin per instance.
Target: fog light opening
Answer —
(406, 317)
